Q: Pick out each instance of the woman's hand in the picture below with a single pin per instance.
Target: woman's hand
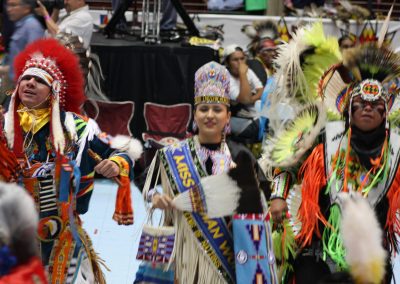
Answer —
(278, 209)
(41, 9)
(107, 168)
(162, 201)
(243, 68)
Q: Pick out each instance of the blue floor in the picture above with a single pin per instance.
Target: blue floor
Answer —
(117, 245)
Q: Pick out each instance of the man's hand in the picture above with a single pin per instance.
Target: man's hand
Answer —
(107, 168)
(41, 9)
(162, 201)
(278, 209)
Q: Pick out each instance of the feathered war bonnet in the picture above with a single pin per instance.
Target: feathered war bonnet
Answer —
(59, 68)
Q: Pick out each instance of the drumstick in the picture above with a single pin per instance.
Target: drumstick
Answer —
(98, 159)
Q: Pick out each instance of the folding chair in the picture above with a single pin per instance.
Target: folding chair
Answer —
(165, 124)
(112, 117)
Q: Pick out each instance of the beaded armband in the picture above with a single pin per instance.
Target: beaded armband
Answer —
(280, 185)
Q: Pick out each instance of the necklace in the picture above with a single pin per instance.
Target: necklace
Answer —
(221, 158)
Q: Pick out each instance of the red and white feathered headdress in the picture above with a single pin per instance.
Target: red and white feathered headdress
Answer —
(59, 68)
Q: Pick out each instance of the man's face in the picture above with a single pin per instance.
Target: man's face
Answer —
(71, 5)
(33, 92)
(268, 55)
(346, 44)
(366, 115)
(16, 10)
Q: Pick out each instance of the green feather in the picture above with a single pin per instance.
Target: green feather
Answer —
(288, 142)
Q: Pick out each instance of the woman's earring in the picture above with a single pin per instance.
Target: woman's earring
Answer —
(194, 126)
(227, 128)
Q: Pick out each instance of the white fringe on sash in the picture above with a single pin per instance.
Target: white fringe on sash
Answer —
(190, 258)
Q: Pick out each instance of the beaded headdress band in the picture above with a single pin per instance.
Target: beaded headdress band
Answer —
(211, 84)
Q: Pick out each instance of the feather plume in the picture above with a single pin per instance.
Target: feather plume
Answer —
(131, 146)
(221, 195)
(331, 85)
(302, 62)
(56, 127)
(368, 61)
(9, 122)
(384, 29)
(249, 30)
(362, 238)
(70, 126)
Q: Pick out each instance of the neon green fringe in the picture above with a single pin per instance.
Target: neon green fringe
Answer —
(332, 240)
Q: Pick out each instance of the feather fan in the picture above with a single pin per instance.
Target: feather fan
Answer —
(225, 194)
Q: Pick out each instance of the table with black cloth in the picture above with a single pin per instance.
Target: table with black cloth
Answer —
(159, 73)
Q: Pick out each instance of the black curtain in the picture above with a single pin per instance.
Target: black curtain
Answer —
(142, 73)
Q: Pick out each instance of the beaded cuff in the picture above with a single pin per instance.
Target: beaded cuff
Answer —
(280, 185)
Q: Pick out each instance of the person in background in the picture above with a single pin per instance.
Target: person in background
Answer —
(346, 42)
(19, 255)
(245, 90)
(53, 7)
(262, 64)
(77, 21)
(26, 30)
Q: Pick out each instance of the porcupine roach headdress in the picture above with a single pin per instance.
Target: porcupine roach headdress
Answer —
(59, 68)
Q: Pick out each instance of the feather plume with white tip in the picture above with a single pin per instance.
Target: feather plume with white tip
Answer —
(56, 127)
(221, 194)
(131, 146)
(362, 239)
(69, 124)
